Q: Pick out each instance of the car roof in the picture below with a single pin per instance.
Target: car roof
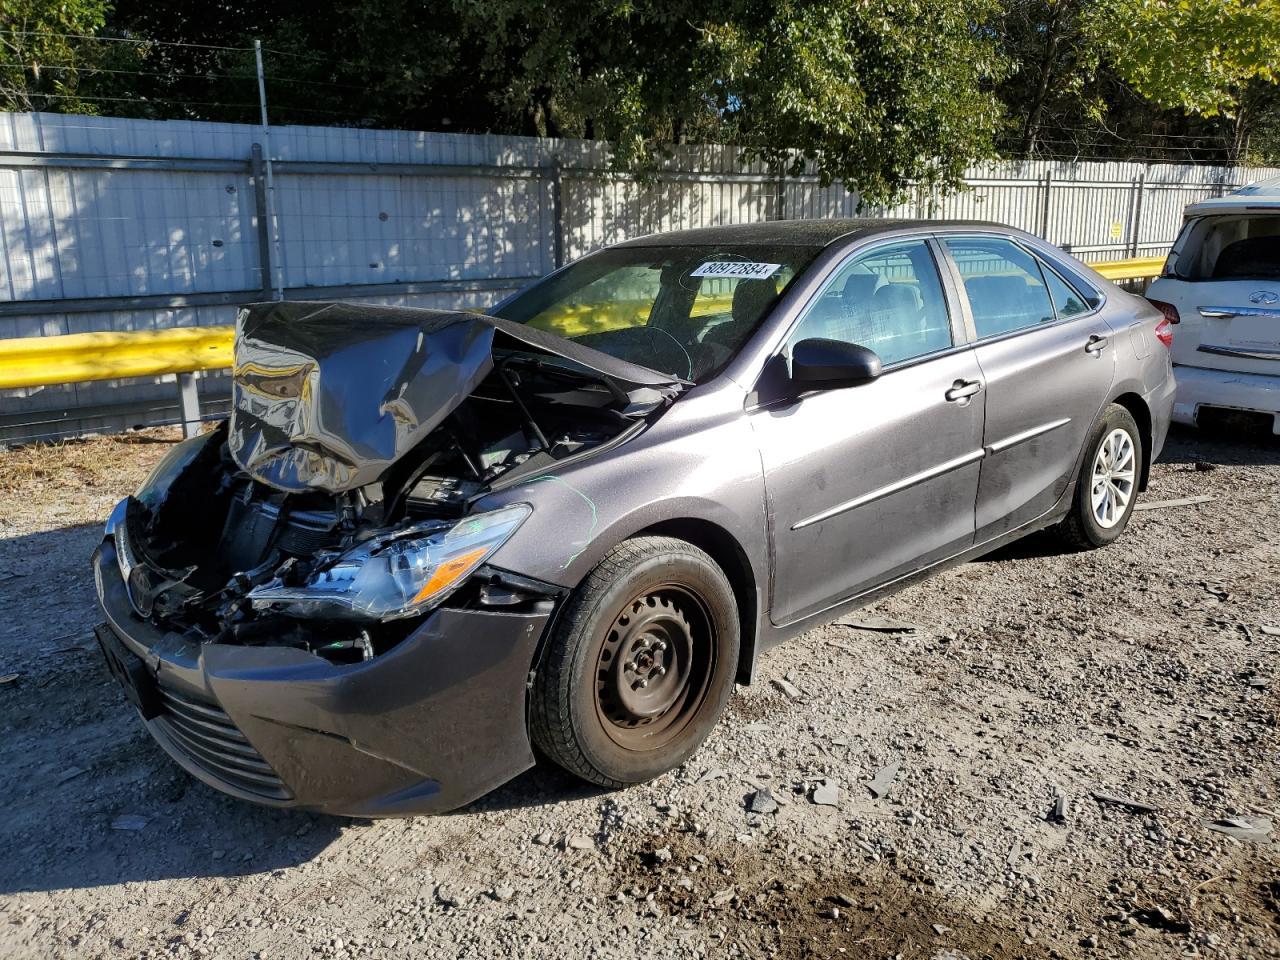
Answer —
(1260, 195)
(806, 233)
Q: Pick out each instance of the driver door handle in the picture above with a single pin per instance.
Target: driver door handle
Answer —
(963, 390)
(1096, 344)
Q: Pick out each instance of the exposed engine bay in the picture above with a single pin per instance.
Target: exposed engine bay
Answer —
(334, 508)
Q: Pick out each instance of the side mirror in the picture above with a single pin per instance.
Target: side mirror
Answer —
(830, 364)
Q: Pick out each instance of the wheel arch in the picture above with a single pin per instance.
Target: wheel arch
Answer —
(1141, 414)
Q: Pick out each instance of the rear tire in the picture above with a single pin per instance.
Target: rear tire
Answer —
(1107, 487)
(640, 666)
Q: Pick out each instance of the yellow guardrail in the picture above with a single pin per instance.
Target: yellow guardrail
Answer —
(1134, 269)
(81, 357)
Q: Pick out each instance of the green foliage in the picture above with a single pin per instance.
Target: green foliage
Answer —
(873, 95)
(1193, 55)
(1140, 79)
(40, 67)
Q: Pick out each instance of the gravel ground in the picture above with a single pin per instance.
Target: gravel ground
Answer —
(1035, 681)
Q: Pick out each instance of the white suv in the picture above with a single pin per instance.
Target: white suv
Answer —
(1221, 283)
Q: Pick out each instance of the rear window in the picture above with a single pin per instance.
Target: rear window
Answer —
(1228, 247)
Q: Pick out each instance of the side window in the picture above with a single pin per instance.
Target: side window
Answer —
(890, 300)
(1004, 284)
(1066, 301)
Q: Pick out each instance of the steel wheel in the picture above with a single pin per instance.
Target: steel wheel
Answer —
(640, 666)
(1113, 478)
(653, 667)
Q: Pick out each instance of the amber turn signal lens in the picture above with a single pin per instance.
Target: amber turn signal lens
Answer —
(450, 571)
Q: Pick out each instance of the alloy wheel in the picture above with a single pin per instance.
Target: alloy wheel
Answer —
(1114, 474)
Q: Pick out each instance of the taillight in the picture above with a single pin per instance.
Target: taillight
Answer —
(1164, 331)
(1168, 309)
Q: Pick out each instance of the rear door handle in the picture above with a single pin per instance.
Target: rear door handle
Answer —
(963, 390)
(1096, 344)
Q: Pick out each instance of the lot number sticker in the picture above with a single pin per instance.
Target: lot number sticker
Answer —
(736, 268)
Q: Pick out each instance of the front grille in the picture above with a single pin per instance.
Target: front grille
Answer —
(208, 738)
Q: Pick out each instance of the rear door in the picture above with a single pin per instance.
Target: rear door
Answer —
(1224, 280)
(869, 482)
(1048, 359)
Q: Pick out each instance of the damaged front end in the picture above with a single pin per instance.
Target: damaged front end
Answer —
(308, 585)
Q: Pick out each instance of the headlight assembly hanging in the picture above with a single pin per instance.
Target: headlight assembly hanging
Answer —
(396, 575)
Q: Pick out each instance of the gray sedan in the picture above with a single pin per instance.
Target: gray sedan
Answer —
(427, 543)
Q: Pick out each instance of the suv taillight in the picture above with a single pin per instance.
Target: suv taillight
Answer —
(1164, 332)
(1168, 309)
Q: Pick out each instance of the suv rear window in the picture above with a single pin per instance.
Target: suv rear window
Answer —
(1229, 247)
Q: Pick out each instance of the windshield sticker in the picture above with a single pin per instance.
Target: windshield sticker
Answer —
(736, 268)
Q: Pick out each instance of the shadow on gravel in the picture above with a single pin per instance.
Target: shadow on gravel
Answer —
(1041, 544)
(1185, 448)
(88, 799)
(543, 786)
(1223, 444)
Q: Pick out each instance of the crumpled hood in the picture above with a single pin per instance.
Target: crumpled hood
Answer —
(326, 396)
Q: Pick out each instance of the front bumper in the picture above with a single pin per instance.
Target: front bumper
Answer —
(1223, 390)
(430, 725)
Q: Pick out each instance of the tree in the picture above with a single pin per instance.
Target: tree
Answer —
(1193, 56)
(1154, 78)
(872, 95)
(40, 63)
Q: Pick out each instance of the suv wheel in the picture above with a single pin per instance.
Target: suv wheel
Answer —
(1108, 482)
(640, 665)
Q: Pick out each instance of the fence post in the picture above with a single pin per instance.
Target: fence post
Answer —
(276, 288)
(1140, 186)
(188, 404)
(1046, 202)
(557, 213)
(256, 167)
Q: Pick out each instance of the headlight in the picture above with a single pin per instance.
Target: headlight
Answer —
(118, 531)
(399, 574)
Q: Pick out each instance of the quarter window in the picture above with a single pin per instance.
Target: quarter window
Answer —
(1004, 284)
(1066, 301)
(889, 300)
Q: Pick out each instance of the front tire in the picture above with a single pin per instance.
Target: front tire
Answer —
(640, 666)
(1108, 483)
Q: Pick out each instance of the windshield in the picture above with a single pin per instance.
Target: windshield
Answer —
(680, 310)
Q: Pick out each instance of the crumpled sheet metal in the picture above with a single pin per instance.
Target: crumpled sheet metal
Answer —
(326, 396)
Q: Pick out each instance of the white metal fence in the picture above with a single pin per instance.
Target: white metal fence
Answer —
(111, 224)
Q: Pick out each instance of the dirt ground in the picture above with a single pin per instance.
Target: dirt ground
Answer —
(1037, 681)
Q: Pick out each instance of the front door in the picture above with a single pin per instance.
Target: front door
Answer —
(1048, 360)
(867, 483)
